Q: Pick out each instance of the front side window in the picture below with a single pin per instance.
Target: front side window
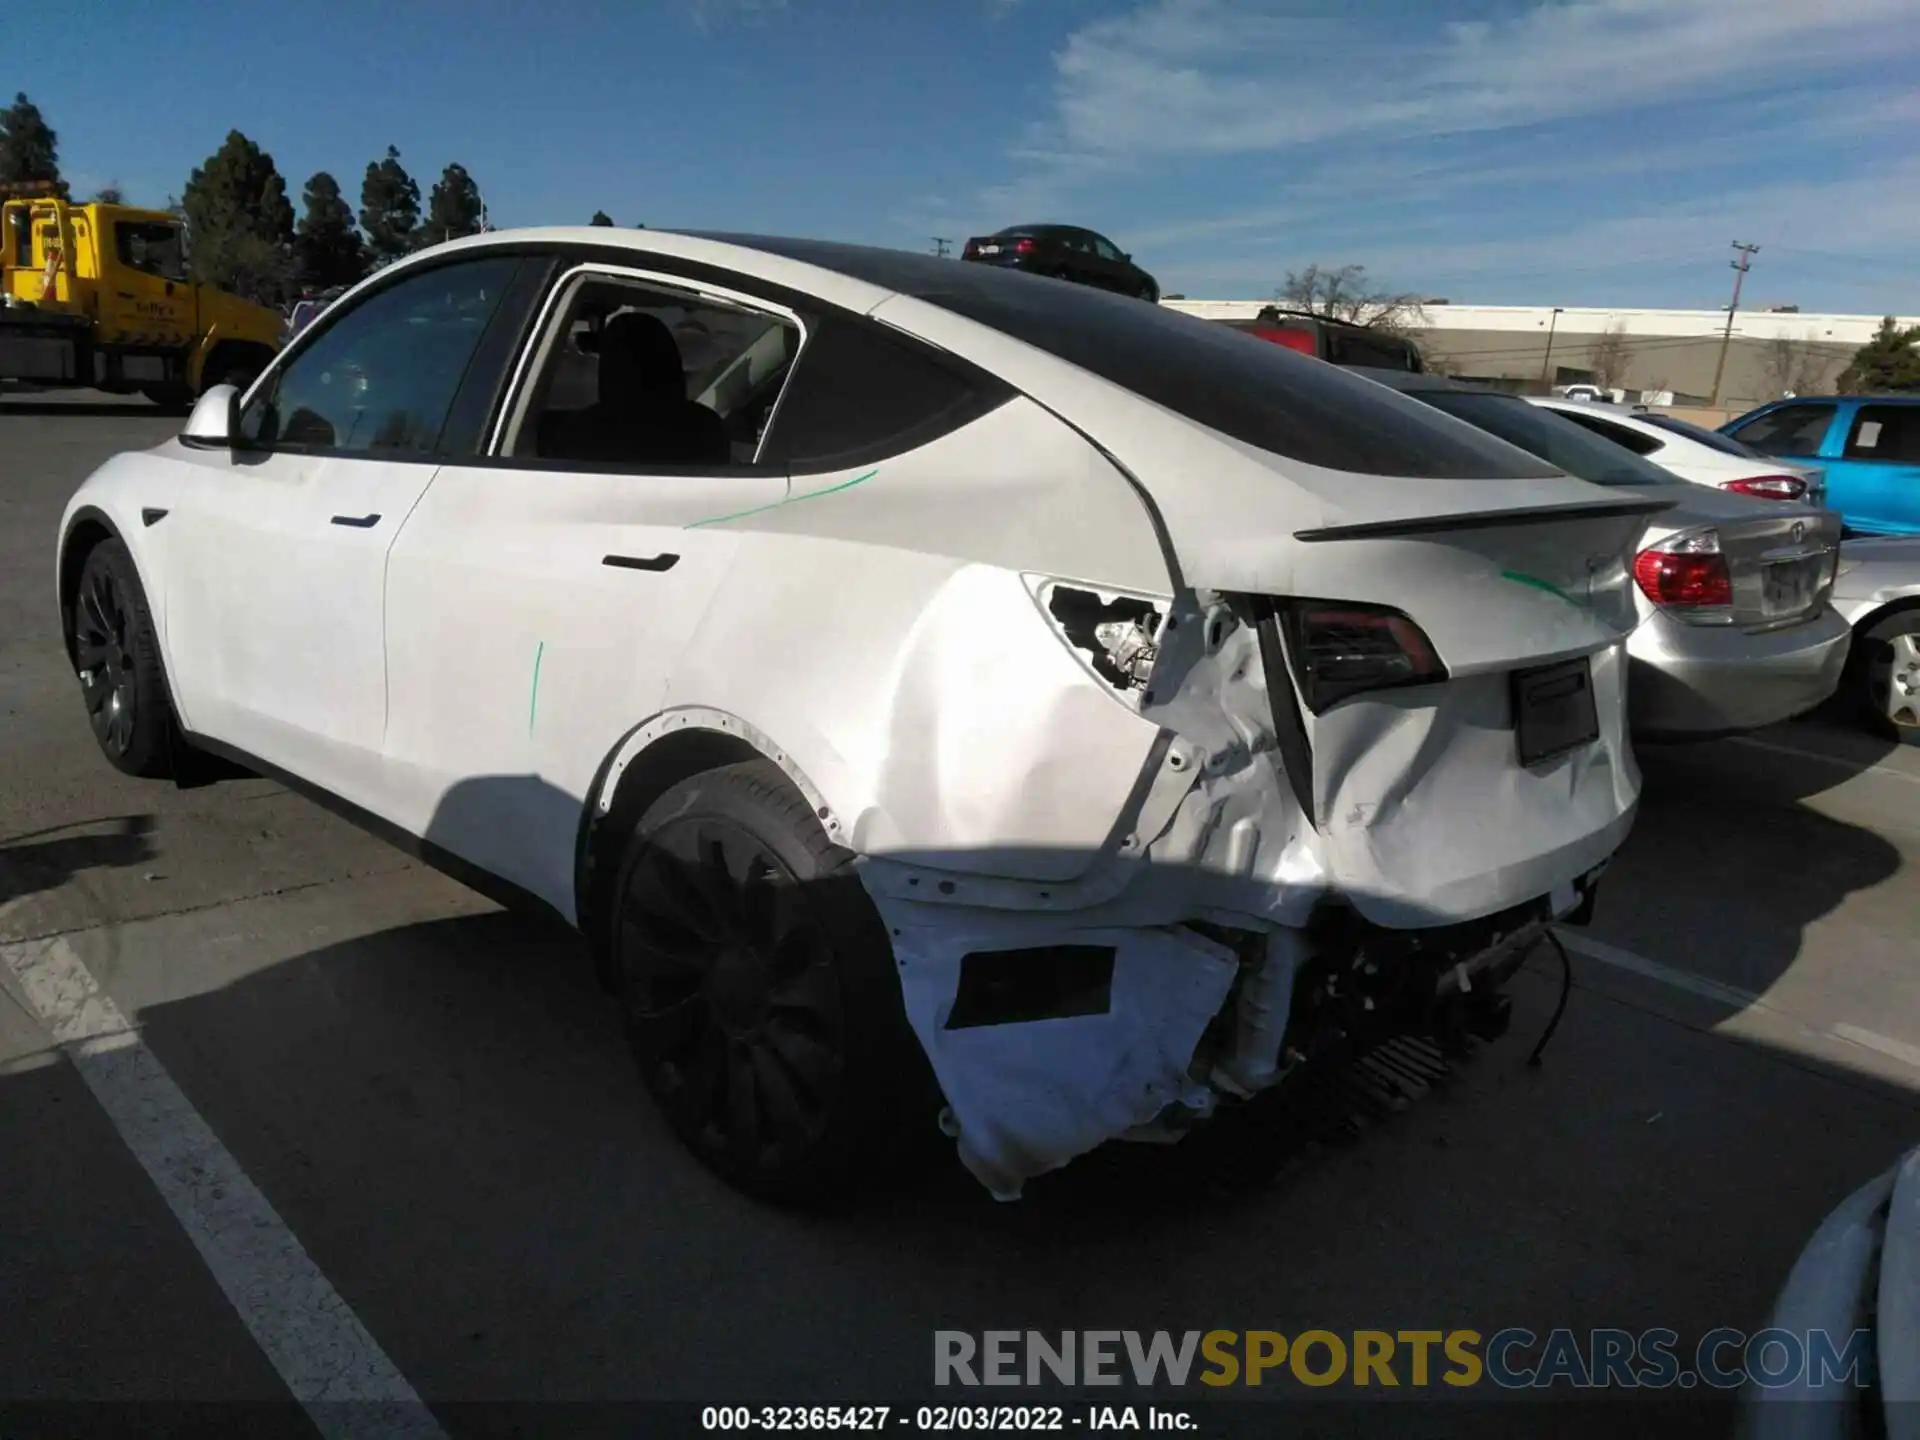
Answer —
(1889, 433)
(1788, 430)
(638, 375)
(381, 376)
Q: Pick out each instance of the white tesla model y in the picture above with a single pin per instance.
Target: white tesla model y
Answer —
(937, 693)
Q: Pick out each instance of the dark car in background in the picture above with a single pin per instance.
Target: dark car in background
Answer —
(1339, 342)
(1066, 252)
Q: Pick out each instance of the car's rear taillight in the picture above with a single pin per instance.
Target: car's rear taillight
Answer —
(1301, 340)
(1025, 247)
(1340, 649)
(1769, 487)
(1686, 573)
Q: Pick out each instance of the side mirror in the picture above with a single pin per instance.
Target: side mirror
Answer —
(215, 421)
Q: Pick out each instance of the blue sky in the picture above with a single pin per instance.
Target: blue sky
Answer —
(1575, 152)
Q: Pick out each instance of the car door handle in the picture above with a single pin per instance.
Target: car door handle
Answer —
(358, 522)
(642, 562)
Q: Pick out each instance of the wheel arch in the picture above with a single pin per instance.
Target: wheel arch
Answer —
(88, 529)
(1880, 612)
(650, 760)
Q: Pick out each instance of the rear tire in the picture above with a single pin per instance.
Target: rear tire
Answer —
(1884, 675)
(758, 987)
(117, 658)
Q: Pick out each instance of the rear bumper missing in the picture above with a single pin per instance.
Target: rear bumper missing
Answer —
(1141, 1032)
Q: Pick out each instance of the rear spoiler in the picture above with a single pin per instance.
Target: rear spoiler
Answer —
(1482, 520)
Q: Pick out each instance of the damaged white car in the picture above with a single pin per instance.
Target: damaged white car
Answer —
(862, 648)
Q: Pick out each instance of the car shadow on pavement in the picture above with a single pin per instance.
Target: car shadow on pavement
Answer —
(1739, 847)
(32, 864)
(446, 1114)
(130, 408)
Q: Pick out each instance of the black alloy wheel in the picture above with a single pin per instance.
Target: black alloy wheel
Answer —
(758, 987)
(118, 662)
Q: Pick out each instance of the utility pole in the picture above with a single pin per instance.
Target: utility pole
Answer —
(1740, 267)
(941, 244)
(1546, 372)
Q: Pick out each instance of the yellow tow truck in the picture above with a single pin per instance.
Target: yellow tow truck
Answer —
(99, 295)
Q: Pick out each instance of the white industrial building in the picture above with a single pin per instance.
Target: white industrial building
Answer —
(1771, 352)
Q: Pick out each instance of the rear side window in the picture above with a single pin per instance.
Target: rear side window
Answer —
(1700, 435)
(1889, 433)
(1619, 434)
(1261, 395)
(1789, 430)
(1551, 436)
(862, 392)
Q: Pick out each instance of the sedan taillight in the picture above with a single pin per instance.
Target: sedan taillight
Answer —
(1340, 649)
(1025, 247)
(1769, 487)
(1686, 573)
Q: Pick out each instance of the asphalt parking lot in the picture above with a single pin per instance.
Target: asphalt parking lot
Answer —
(434, 1100)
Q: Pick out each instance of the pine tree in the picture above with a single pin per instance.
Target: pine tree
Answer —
(453, 209)
(389, 207)
(241, 222)
(600, 217)
(1888, 362)
(328, 246)
(28, 149)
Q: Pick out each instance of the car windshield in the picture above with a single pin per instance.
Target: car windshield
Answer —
(1265, 396)
(1554, 438)
(1712, 439)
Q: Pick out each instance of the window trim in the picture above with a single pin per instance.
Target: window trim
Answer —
(539, 342)
(338, 311)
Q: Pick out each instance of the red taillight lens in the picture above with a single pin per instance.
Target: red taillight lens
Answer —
(1684, 578)
(1769, 487)
(1340, 650)
(1301, 340)
(1025, 247)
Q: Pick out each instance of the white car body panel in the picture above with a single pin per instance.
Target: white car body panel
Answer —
(881, 633)
(1685, 457)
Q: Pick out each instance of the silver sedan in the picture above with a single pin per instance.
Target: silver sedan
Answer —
(1736, 630)
(1878, 594)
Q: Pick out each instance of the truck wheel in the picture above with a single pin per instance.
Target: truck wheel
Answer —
(174, 399)
(118, 661)
(1886, 666)
(757, 984)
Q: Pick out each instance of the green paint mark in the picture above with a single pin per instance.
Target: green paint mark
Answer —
(533, 701)
(789, 500)
(1536, 583)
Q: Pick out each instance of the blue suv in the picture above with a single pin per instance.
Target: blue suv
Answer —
(1869, 444)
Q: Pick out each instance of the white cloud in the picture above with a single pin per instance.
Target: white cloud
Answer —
(1197, 77)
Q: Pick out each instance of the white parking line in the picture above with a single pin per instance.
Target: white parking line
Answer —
(1775, 748)
(1734, 998)
(329, 1362)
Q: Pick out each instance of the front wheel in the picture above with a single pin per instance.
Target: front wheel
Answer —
(1887, 675)
(757, 983)
(117, 658)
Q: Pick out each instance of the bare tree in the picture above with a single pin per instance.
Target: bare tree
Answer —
(1344, 293)
(1607, 357)
(1797, 367)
